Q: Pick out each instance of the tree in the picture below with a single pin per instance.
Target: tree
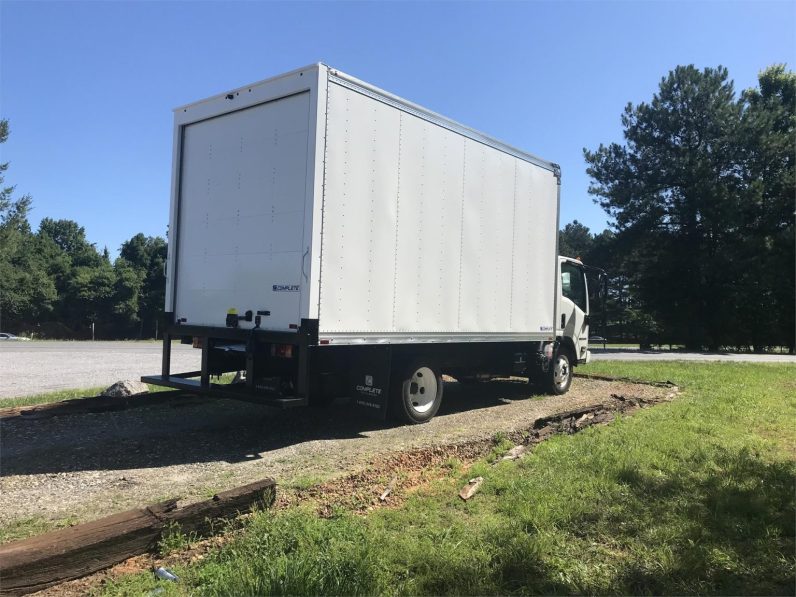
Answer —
(26, 292)
(147, 255)
(58, 283)
(70, 237)
(679, 195)
(574, 240)
(767, 258)
(127, 294)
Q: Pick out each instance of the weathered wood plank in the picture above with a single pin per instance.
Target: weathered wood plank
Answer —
(39, 562)
(198, 517)
(560, 416)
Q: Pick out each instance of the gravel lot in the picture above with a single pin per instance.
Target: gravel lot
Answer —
(89, 465)
(28, 368)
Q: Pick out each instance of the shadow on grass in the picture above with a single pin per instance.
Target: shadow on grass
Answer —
(723, 526)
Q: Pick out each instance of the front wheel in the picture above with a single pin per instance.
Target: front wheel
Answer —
(559, 376)
(417, 394)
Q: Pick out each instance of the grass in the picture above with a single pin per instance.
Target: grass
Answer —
(61, 395)
(28, 527)
(73, 394)
(694, 496)
(174, 539)
(50, 397)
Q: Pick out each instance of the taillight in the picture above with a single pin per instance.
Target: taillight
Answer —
(282, 350)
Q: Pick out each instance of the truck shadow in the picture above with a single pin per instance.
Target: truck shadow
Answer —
(203, 430)
(744, 510)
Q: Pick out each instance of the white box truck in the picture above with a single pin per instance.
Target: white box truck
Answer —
(331, 239)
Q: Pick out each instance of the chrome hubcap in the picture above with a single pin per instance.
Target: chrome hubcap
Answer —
(422, 390)
(561, 371)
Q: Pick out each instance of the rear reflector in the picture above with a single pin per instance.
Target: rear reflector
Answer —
(324, 341)
(282, 350)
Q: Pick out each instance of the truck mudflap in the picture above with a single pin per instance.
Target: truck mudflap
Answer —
(370, 379)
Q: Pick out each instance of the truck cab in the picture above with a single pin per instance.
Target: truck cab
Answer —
(571, 346)
(573, 308)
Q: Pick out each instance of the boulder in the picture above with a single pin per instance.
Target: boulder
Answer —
(127, 387)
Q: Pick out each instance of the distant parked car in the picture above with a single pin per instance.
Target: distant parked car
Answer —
(597, 339)
(5, 336)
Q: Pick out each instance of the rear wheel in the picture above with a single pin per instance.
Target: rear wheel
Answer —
(417, 393)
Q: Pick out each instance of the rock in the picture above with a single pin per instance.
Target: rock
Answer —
(469, 490)
(515, 453)
(128, 387)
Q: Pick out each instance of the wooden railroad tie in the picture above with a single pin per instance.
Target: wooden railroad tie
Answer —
(39, 562)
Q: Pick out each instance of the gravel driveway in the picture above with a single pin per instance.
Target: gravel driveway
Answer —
(28, 368)
(88, 465)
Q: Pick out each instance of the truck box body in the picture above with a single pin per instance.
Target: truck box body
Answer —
(315, 196)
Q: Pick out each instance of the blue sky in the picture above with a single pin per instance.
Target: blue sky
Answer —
(89, 87)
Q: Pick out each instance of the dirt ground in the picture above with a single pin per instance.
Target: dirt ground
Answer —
(84, 466)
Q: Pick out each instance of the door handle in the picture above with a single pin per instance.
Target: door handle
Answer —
(303, 259)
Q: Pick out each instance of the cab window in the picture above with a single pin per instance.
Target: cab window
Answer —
(572, 284)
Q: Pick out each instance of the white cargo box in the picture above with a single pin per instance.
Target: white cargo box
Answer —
(314, 195)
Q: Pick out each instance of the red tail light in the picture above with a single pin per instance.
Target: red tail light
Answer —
(282, 350)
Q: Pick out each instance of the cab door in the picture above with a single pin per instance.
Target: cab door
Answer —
(574, 311)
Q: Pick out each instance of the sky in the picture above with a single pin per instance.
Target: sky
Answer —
(89, 87)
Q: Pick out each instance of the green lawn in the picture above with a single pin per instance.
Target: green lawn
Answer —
(49, 397)
(62, 395)
(694, 496)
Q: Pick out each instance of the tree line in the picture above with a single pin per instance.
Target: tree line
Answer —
(54, 283)
(701, 194)
(701, 250)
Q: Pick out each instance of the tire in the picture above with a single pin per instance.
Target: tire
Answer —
(417, 393)
(559, 377)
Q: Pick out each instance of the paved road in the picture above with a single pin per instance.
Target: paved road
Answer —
(628, 354)
(28, 368)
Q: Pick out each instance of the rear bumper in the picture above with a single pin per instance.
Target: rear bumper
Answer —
(250, 347)
(182, 381)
